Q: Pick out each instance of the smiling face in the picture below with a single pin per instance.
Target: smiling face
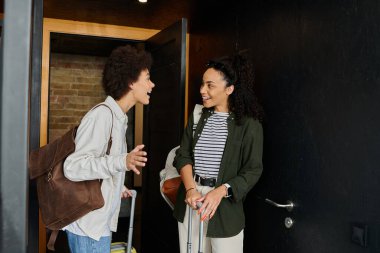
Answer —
(142, 87)
(214, 90)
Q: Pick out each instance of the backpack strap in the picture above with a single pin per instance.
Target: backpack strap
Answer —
(110, 139)
(53, 237)
(197, 113)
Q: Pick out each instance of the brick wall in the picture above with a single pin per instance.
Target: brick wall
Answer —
(75, 87)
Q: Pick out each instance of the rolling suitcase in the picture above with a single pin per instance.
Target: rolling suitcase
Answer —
(123, 247)
(189, 232)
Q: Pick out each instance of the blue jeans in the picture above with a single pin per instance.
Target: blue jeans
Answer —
(85, 244)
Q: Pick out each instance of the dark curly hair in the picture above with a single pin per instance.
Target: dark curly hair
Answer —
(238, 71)
(122, 68)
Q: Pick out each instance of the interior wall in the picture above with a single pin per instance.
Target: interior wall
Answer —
(75, 87)
(212, 31)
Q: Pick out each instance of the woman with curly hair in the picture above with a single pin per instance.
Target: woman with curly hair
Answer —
(126, 81)
(220, 158)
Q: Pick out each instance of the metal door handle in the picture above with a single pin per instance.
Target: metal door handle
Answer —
(289, 206)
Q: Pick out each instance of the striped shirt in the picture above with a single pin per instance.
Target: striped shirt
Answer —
(209, 149)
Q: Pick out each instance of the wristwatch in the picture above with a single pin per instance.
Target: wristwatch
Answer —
(229, 190)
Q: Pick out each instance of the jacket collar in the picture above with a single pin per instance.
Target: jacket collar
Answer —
(209, 111)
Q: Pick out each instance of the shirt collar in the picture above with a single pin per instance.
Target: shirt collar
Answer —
(119, 113)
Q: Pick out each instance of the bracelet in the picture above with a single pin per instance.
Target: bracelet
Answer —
(191, 188)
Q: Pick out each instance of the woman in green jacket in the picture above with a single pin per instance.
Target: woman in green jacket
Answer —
(220, 158)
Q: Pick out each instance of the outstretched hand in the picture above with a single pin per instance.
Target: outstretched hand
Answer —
(135, 158)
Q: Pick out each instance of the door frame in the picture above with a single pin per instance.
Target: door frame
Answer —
(80, 28)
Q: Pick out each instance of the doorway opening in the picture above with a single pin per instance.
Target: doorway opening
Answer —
(61, 36)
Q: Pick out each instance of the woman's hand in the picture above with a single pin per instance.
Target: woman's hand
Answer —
(192, 197)
(136, 157)
(211, 202)
(125, 193)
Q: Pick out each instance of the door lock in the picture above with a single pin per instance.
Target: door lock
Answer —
(289, 222)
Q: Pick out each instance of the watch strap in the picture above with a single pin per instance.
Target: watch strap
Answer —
(229, 190)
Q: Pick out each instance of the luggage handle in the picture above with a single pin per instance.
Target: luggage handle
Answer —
(131, 218)
(189, 232)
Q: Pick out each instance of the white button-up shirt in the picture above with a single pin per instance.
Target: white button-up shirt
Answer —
(89, 161)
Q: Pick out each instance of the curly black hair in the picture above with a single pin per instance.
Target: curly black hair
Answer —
(122, 68)
(237, 70)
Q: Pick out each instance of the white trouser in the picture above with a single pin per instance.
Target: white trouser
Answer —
(215, 245)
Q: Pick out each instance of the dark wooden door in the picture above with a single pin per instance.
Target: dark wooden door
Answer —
(321, 133)
(323, 167)
(163, 127)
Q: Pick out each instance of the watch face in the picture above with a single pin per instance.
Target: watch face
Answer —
(229, 191)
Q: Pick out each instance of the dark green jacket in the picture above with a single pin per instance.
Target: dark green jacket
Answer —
(241, 167)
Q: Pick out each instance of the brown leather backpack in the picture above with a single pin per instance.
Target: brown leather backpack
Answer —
(62, 201)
